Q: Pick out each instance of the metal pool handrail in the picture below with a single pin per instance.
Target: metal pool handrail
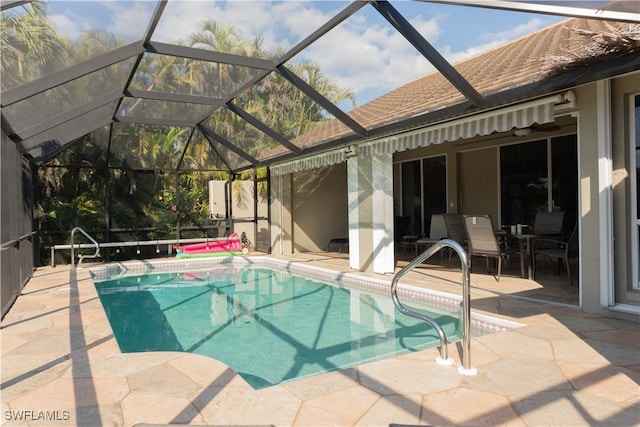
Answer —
(444, 359)
(81, 257)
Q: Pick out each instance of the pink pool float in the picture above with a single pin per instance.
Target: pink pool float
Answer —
(231, 245)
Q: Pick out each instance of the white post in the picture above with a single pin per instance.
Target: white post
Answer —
(353, 199)
(382, 183)
(370, 198)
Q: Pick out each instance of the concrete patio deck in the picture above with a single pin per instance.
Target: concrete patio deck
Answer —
(61, 366)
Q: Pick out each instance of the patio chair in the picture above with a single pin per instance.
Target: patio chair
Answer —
(561, 250)
(455, 230)
(483, 241)
(548, 222)
(437, 232)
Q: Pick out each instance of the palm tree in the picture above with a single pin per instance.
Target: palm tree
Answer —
(220, 38)
(30, 46)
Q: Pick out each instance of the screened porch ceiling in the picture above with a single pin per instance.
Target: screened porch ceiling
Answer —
(137, 74)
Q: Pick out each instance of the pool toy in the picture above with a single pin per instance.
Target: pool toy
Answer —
(220, 247)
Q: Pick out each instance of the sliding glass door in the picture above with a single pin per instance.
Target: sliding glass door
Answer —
(423, 192)
(635, 158)
(539, 176)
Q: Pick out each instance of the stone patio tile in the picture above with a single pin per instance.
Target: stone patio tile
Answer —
(620, 337)
(233, 405)
(546, 333)
(403, 410)
(24, 365)
(622, 325)
(52, 341)
(601, 380)
(27, 308)
(17, 381)
(85, 317)
(88, 416)
(102, 415)
(320, 385)
(516, 344)
(205, 371)
(463, 407)
(206, 391)
(574, 409)
(124, 364)
(62, 318)
(480, 354)
(580, 322)
(153, 408)
(512, 376)
(162, 379)
(90, 300)
(11, 342)
(389, 377)
(617, 354)
(12, 326)
(427, 354)
(342, 408)
(98, 330)
(95, 350)
(70, 393)
(579, 351)
(522, 311)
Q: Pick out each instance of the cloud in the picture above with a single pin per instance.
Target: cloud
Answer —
(278, 24)
(368, 55)
(69, 24)
(130, 19)
(364, 53)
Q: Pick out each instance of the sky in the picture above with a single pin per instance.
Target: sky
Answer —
(364, 53)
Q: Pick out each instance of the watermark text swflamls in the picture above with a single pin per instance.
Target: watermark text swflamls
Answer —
(31, 415)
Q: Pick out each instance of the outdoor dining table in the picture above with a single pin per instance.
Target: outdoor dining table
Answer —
(526, 242)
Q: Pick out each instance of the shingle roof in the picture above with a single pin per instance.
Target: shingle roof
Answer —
(530, 59)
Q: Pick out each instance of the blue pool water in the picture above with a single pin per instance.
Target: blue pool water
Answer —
(268, 325)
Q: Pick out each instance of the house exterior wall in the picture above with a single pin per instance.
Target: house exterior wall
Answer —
(478, 182)
(319, 207)
(308, 209)
(590, 213)
(601, 121)
(622, 91)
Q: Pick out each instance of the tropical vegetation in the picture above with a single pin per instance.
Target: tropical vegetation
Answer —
(134, 181)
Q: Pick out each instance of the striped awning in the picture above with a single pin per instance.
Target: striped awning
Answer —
(517, 117)
(502, 120)
(312, 162)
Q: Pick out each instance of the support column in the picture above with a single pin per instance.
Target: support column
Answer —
(281, 219)
(370, 185)
(353, 200)
(382, 179)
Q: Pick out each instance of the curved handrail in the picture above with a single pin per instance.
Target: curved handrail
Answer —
(81, 257)
(466, 368)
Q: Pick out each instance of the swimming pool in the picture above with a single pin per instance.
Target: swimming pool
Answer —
(268, 323)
